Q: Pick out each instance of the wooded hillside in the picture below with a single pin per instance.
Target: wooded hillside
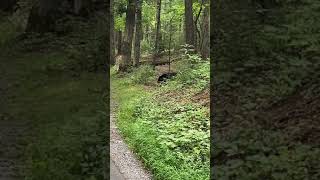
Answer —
(266, 70)
(143, 28)
(160, 83)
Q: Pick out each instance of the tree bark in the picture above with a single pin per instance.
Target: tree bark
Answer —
(146, 37)
(128, 35)
(189, 24)
(107, 40)
(205, 28)
(119, 42)
(138, 36)
(158, 35)
(198, 33)
(112, 39)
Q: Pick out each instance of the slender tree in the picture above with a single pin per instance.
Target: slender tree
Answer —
(128, 35)
(108, 54)
(189, 24)
(138, 36)
(119, 42)
(158, 35)
(112, 39)
(147, 35)
(205, 31)
(197, 36)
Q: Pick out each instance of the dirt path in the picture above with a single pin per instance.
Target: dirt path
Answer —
(124, 165)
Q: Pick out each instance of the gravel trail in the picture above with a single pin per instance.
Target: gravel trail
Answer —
(124, 164)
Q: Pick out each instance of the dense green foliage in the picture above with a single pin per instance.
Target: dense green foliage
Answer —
(265, 56)
(193, 71)
(169, 131)
(172, 23)
(143, 75)
(166, 124)
(281, 46)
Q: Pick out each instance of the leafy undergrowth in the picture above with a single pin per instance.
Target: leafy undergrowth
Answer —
(166, 125)
(267, 123)
(67, 114)
(263, 154)
(258, 134)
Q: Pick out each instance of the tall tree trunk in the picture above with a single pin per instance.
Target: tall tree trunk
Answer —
(138, 36)
(119, 42)
(128, 35)
(197, 23)
(146, 37)
(189, 24)
(158, 35)
(107, 40)
(205, 28)
(112, 39)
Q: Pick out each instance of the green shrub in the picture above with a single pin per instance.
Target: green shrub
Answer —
(143, 75)
(194, 71)
(184, 129)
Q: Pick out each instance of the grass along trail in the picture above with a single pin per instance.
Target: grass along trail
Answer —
(166, 125)
(124, 163)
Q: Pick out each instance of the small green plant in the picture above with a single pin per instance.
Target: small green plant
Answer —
(194, 71)
(182, 128)
(143, 75)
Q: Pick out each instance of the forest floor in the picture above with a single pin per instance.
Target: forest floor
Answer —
(265, 132)
(166, 125)
(52, 122)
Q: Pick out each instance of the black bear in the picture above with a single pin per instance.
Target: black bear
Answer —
(166, 76)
